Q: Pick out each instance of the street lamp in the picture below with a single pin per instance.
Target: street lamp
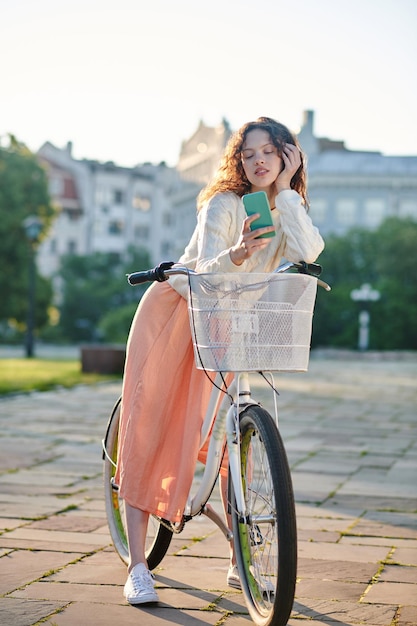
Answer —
(33, 227)
(364, 294)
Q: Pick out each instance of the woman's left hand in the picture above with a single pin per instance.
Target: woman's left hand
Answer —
(249, 241)
(292, 160)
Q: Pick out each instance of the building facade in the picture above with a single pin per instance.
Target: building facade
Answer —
(354, 188)
(107, 208)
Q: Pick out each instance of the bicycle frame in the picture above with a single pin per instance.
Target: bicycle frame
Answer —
(225, 426)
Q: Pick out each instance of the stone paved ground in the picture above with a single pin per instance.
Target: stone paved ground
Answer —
(350, 432)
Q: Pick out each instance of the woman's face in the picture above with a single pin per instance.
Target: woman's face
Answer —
(260, 160)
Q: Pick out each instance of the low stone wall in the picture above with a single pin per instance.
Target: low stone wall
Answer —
(103, 359)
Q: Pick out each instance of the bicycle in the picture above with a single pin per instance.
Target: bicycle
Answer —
(240, 323)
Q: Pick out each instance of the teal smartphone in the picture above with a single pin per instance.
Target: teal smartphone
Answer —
(257, 202)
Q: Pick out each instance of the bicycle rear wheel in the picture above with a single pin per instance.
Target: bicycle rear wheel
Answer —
(158, 536)
(266, 540)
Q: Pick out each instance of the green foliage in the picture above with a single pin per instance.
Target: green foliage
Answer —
(115, 325)
(23, 192)
(93, 287)
(396, 322)
(384, 258)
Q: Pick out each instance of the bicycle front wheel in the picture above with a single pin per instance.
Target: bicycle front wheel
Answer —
(158, 536)
(265, 538)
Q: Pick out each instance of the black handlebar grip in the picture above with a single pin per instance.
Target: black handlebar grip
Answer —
(137, 278)
(157, 274)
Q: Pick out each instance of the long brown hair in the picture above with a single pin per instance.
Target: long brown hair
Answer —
(231, 177)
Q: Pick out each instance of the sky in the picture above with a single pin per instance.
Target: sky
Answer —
(128, 81)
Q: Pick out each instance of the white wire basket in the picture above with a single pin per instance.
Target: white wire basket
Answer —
(251, 322)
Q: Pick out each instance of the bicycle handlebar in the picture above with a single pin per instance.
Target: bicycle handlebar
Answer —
(163, 271)
(157, 274)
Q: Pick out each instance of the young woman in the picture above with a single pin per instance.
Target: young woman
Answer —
(161, 417)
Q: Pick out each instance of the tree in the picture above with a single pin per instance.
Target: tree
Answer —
(95, 286)
(23, 192)
(395, 321)
(384, 258)
(115, 325)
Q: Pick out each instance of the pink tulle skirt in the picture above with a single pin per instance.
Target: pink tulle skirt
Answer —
(164, 400)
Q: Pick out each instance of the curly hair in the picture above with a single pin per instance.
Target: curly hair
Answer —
(231, 176)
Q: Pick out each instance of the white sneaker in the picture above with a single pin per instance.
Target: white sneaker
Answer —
(139, 587)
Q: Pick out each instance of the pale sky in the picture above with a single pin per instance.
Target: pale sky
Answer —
(128, 81)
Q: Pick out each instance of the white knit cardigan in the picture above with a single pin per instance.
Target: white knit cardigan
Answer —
(218, 229)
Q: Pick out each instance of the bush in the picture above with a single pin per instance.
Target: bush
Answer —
(115, 325)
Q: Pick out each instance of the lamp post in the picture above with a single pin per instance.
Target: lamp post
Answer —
(33, 227)
(364, 294)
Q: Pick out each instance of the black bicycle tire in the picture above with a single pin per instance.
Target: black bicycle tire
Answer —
(277, 608)
(157, 548)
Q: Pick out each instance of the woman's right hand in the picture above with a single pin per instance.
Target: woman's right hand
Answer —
(291, 158)
(248, 244)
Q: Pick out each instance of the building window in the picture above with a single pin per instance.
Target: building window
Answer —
(102, 196)
(73, 214)
(56, 186)
(375, 211)
(116, 227)
(72, 246)
(142, 203)
(118, 196)
(318, 210)
(142, 232)
(346, 211)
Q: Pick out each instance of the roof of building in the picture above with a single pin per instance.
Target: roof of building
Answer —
(349, 162)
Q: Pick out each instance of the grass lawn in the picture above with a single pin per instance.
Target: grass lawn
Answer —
(43, 374)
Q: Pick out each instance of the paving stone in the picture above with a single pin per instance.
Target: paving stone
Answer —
(348, 500)
(399, 574)
(26, 612)
(341, 552)
(391, 518)
(330, 590)
(318, 535)
(83, 572)
(37, 536)
(407, 616)
(71, 592)
(21, 567)
(68, 523)
(108, 615)
(392, 593)
(405, 556)
(332, 570)
(378, 529)
(8, 523)
(344, 612)
(324, 524)
(31, 544)
(379, 541)
(190, 572)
